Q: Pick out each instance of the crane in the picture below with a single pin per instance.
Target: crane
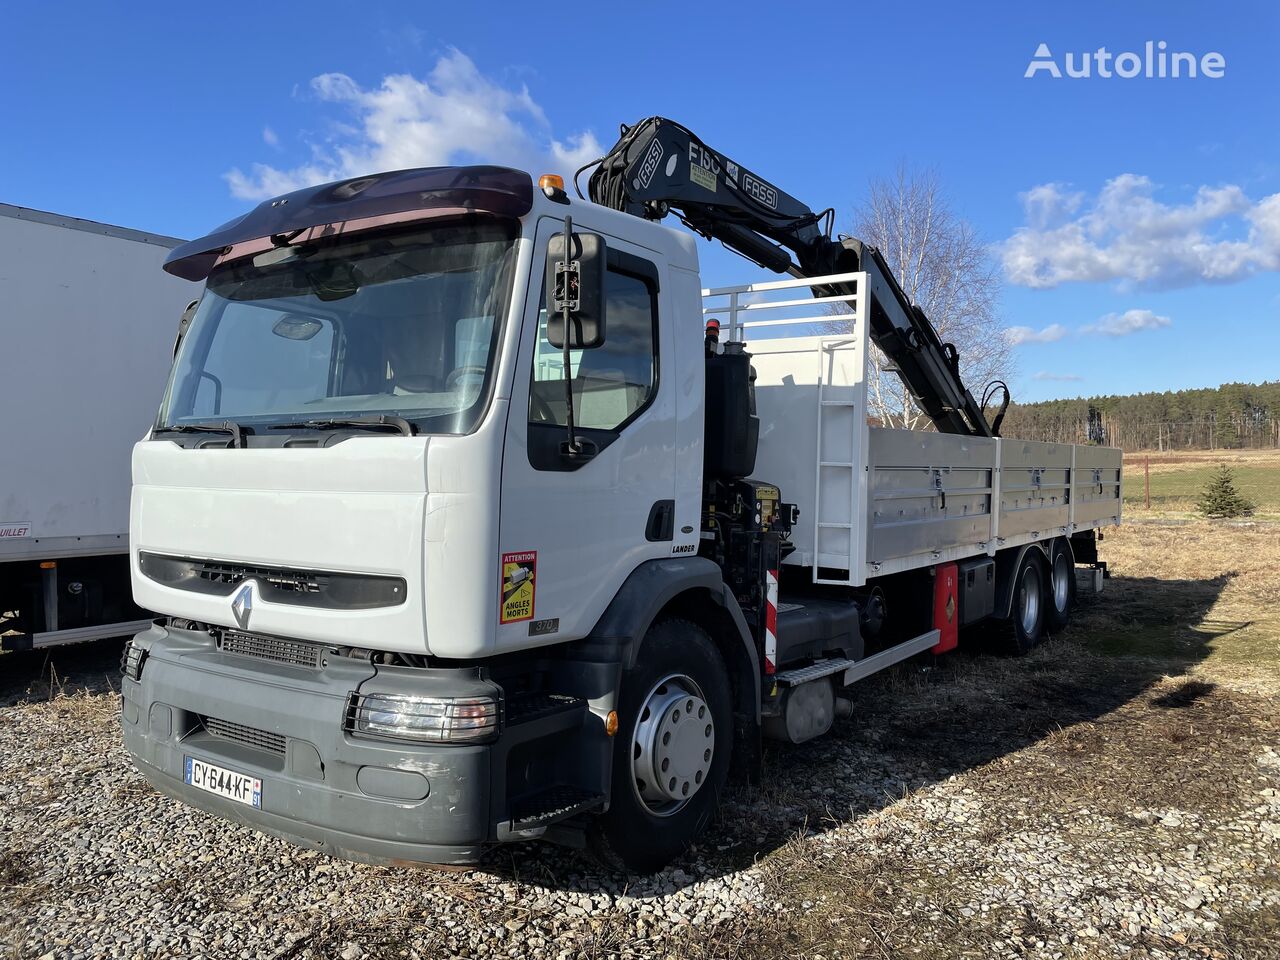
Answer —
(659, 166)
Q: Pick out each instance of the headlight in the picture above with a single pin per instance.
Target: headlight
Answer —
(434, 719)
(132, 660)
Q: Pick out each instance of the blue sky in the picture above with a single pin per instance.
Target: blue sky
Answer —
(1131, 217)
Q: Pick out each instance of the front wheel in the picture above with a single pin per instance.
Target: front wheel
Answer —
(671, 751)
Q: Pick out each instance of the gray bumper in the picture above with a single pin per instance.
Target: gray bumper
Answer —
(323, 788)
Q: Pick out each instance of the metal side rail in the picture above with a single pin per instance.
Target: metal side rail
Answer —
(887, 658)
(53, 638)
(855, 670)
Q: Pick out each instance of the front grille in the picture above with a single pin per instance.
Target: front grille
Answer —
(274, 649)
(288, 581)
(249, 736)
(319, 589)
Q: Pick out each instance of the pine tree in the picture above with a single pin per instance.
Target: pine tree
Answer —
(1220, 497)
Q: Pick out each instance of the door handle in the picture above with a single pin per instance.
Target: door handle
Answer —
(662, 521)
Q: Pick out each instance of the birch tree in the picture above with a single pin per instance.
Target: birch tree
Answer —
(945, 268)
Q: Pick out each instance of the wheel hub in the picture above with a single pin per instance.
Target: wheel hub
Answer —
(673, 746)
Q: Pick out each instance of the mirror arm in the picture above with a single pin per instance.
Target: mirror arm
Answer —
(565, 267)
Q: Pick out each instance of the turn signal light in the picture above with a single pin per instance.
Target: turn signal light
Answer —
(611, 723)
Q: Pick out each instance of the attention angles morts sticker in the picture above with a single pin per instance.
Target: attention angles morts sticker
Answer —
(519, 583)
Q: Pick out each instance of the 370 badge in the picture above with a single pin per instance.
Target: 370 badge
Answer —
(519, 584)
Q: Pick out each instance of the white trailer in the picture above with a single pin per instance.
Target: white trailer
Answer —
(87, 324)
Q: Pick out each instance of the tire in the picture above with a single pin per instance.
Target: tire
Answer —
(1026, 624)
(648, 823)
(1060, 589)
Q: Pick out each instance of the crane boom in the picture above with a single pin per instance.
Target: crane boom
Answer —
(659, 166)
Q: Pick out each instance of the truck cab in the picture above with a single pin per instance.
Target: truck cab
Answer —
(306, 555)
(436, 569)
(445, 327)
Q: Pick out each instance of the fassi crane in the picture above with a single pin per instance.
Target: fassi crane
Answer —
(642, 174)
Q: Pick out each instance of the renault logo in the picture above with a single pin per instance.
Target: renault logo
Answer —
(242, 606)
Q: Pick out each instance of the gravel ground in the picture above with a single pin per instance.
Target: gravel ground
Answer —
(1075, 803)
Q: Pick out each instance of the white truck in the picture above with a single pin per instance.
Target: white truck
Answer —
(87, 329)
(466, 526)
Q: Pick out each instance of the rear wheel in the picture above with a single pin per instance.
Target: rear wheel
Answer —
(1027, 612)
(1062, 585)
(671, 752)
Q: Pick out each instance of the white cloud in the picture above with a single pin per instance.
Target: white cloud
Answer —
(1110, 325)
(1051, 333)
(1125, 234)
(454, 115)
(1057, 377)
(1049, 203)
(269, 137)
(1123, 324)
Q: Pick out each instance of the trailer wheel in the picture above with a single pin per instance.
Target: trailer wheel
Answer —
(1030, 598)
(671, 751)
(1062, 585)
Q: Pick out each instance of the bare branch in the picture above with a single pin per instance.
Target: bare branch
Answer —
(944, 268)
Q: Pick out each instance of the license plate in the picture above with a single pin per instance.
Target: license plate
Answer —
(239, 787)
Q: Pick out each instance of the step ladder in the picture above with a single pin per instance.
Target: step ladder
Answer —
(841, 424)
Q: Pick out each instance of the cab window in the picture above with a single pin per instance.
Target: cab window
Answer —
(611, 383)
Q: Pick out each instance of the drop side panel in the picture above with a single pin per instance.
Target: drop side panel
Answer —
(1034, 483)
(931, 497)
(1095, 487)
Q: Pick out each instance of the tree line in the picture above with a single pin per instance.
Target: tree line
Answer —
(1230, 417)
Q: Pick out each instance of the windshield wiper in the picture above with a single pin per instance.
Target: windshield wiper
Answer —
(226, 426)
(381, 422)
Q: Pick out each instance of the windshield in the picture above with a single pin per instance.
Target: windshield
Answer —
(403, 324)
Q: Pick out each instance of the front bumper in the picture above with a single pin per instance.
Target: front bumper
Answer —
(322, 787)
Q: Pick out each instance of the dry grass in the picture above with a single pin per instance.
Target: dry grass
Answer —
(1160, 697)
(1203, 596)
(34, 676)
(15, 869)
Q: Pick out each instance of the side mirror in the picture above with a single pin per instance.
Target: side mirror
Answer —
(183, 323)
(576, 282)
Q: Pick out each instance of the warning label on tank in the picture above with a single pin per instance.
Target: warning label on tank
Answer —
(519, 572)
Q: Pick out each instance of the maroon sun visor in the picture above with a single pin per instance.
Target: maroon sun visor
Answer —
(382, 197)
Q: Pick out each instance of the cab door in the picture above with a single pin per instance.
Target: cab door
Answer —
(572, 529)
